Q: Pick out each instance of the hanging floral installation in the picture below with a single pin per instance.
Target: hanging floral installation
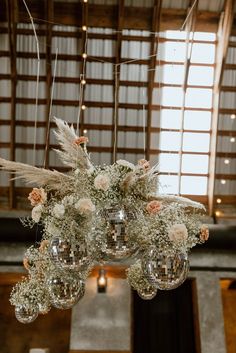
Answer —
(95, 214)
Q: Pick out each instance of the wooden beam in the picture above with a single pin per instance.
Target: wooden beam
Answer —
(11, 15)
(224, 30)
(49, 11)
(156, 19)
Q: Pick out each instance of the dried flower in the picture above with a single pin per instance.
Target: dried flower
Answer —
(26, 263)
(178, 233)
(85, 206)
(126, 164)
(81, 140)
(43, 245)
(153, 207)
(37, 196)
(143, 163)
(204, 233)
(102, 182)
(36, 213)
(58, 210)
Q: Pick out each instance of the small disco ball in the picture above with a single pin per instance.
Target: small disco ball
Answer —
(116, 245)
(65, 292)
(26, 315)
(68, 255)
(147, 293)
(165, 271)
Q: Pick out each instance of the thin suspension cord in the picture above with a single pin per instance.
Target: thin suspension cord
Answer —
(50, 108)
(37, 82)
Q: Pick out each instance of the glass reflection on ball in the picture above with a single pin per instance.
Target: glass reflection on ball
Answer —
(165, 271)
(65, 292)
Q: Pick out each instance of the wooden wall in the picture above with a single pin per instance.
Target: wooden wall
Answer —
(49, 331)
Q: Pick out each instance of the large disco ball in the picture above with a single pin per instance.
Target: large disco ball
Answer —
(65, 292)
(26, 315)
(116, 244)
(165, 271)
(69, 255)
(147, 293)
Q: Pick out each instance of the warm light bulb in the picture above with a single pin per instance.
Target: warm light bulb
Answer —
(83, 107)
(83, 82)
(102, 281)
(223, 181)
(226, 161)
(84, 55)
(217, 213)
(85, 131)
(218, 200)
(84, 28)
(232, 139)
(85, 0)
(232, 116)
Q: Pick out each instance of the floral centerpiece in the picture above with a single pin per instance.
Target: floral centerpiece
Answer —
(101, 213)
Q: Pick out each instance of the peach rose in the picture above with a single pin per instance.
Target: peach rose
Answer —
(144, 164)
(153, 207)
(43, 245)
(37, 196)
(204, 233)
(102, 182)
(26, 264)
(81, 140)
(85, 206)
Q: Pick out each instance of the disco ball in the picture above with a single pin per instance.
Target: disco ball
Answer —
(44, 308)
(68, 255)
(147, 293)
(26, 315)
(165, 271)
(116, 244)
(65, 292)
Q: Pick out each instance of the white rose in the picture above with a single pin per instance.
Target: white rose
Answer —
(102, 182)
(178, 233)
(125, 163)
(58, 210)
(68, 200)
(36, 213)
(85, 206)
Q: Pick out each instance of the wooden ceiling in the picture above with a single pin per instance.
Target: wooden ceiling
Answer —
(47, 14)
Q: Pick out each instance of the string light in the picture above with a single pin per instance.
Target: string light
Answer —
(232, 139)
(223, 181)
(83, 107)
(83, 82)
(85, 0)
(84, 28)
(218, 200)
(232, 116)
(85, 131)
(217, 213)
(84, 55)
(226, 161)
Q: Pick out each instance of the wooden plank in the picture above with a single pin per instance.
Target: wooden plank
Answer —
(224, 29)
(11, 15)
(49, 12)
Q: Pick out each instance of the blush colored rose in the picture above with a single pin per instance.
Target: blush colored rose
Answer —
(204, 233)
(85, 206)
(37, 196)
(81, 140)
(102, 182)
(143, 163)
(178, 233)
(153, 207)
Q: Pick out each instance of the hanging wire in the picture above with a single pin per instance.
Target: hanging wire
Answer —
(115, 114)
(50, 108)
(37, 83)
